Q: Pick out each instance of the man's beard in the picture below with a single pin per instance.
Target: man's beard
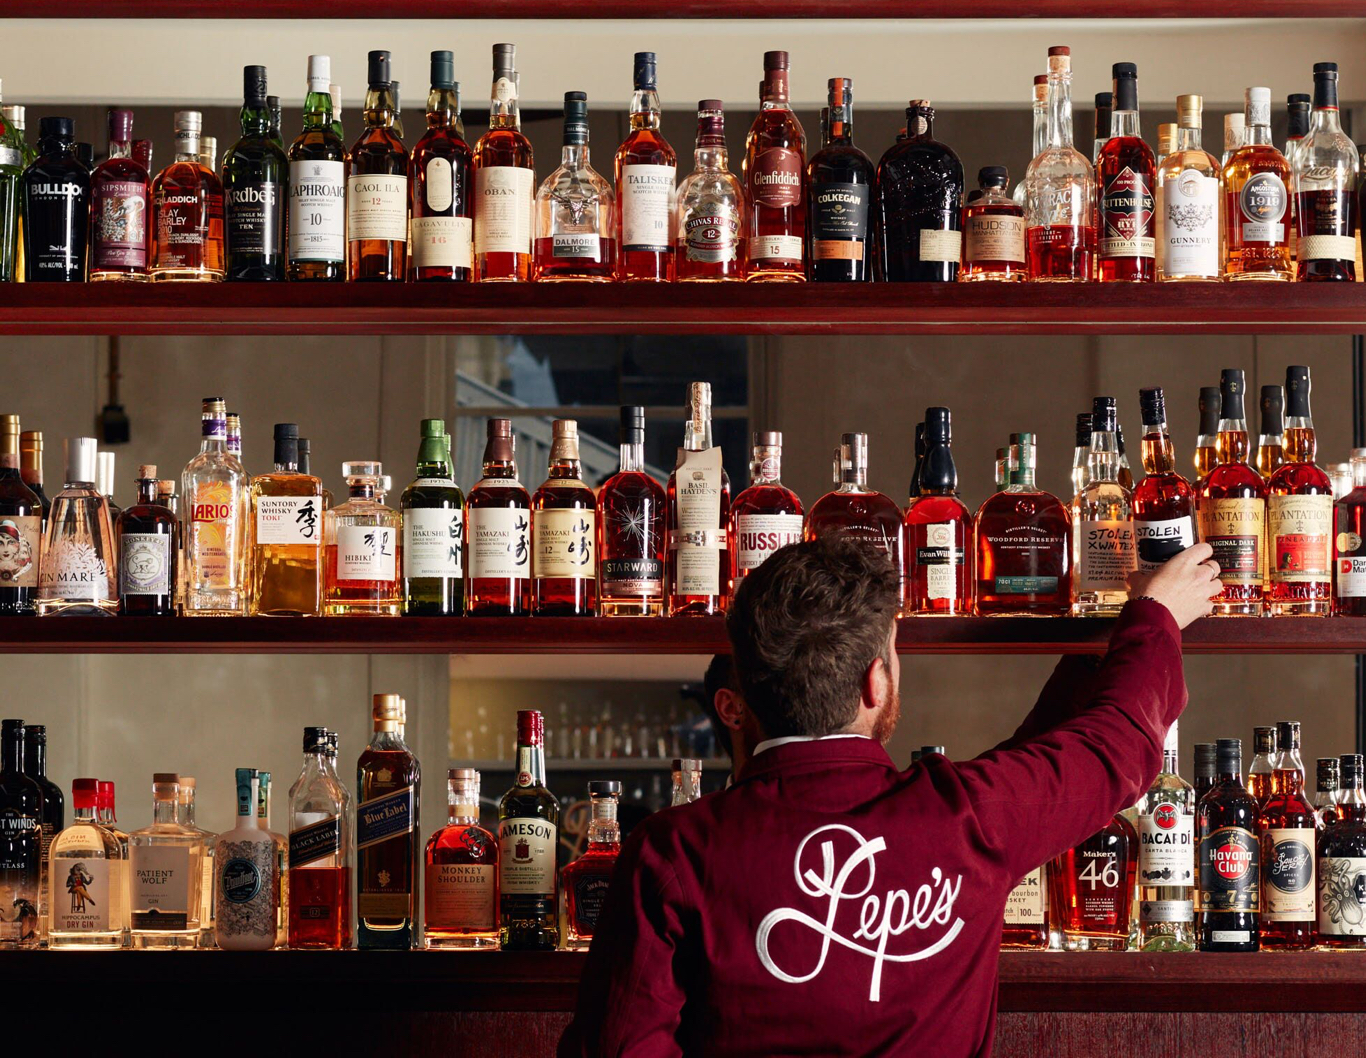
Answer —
(887, 718)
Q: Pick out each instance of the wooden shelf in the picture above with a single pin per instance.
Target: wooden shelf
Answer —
(818, 309)
(626, 636)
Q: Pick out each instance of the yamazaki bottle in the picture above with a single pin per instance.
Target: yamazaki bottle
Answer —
(498, 532)
(775, 182)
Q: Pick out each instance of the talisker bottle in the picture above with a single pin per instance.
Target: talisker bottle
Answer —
(388, 849)
(1228, 858)
(528, 837)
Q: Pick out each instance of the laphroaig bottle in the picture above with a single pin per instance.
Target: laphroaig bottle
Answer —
(87, 894)
(319, 852)
(433, 510)
(699, 513)
(528, 836)
(317, 185)
(214, 486)
(287, 532)
(78, 574)
(247, 878)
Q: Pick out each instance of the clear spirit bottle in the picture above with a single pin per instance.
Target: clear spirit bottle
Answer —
(319, 872)
(165, 873)
(1103, 551)
(87, 894)
(1166, 858)
(363, 549)
(78, 572)
(215, 489)
(461, 892)
(186, 815)
(709, 233)
(687, 781)
(1060, 191)
(575, 238)
(148, 533)
(287, 524)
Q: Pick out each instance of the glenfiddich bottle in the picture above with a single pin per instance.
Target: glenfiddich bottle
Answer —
(1228, 858)
(775, 182)
(528, 837)
(698, 573)
(388, 850)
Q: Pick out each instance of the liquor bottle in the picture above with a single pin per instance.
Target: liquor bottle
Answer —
(1001, 475)
(1164, 502)
(1349, 528)
(281, 847)
(1166, 858)
(994, 232)
(1341, 866)
(1288, 829)
(840, 181)
(31, 466)
(1235, 135)
(1327, 789)
(185, 816)
(147, 567)
(1256, 236)
(1261, 771)
(394, 87)
(856, 511)
(165, 874)
(1126, 174)
(53, 809)
(765, 516)
(246, 879)
(317, 186)
(1271, 437)
(504, 182)
(528, 833)
(286, 549)
(631, 533)
(1189, 223)
(104, 480)
(377, 186)
(119, 187)
(1166, 143)
(564, 533)
(575, 233)
(498, 532)
(1230, 504)
(698, 569)
(1206, 758)
(187, 211)
(1105, 105)
(335, 93)
(21, 842)
(362, 559)
(1104, 552)
(274, 125)
(774, 174)
(433, 509)
(1228, 858)
(1297, 107)
(585, 881)
(56, 207)
(255, 180)
(1092, 887)
(919, 205)
(78, 573)
(687, 781)
(1023, 543)
(1026, 926)
(710, 228)
(208, 152)
(938, 531)
(1325, 166)
(645, 171)
(108, 816)
(1299, 514)
(21, 529)
(319, 872)
(439, 182)
(1039, 140)
(215, 488)
(12, 163)
(914, 489)
(1207, 443)
(1060, 191)
(234, 436)
(461, 892)
(388, 849)
(86, 894)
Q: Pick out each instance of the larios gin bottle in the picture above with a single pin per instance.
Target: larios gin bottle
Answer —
(214, 487)
(388, 850)
(765, 516)
(528, 836)
(775, 182)
(699, 513)
(631, 533)
(498, 532)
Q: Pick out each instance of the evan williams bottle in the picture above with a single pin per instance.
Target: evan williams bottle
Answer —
(1126, 173)
(528, 836)
(1228, 858)
(699, 514)
(767, 515)
(1288, 828)
(563, 533)
(498, 532)
(1300, 515)
(646, 169)
(1164, 502)
(938, 531)
(775, 182)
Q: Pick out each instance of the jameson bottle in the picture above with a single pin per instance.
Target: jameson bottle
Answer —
(255, 172)
(388, 851)
(433, 532)
(528, 833)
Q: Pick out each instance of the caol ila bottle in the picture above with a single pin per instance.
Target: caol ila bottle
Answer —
(254, 180)
(56, 207)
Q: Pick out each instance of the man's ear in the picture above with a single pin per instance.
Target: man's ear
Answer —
(730, 707)
(877, 683)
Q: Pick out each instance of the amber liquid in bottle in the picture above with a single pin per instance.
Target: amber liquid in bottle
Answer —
(774, 175)
(1126, 175)
(563, 533)
(505, 178)
(1300, 541)
(498, 533)
(187, 212)
(388, 850)
(698, 497)
(631, 530)
(441, 181)
(645, 168)
(461, 891)
(1092, 889)
(377, 186)
(1289, 834)
(1231, 507)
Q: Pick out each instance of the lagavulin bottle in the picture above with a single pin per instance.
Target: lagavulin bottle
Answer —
(440, 185)
(645, 169)
(1126, 173)
(775, 182)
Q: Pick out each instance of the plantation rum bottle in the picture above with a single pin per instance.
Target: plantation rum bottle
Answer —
(377, 186)
(585, 882)
(1206, 443)
(1289, 830)
(1189, 218)
(575, 237)
(78, 571)
(1164, 502)
(1257, 201)
(287, 538)
(564, 574)
(918, 204)
(1271, 435)
(1325, 165)
(187, 212)
(362, 540)
(118, 208)
(1228, 858)
(440, 183)
(504, 183)
(317, 185)
(215, 489)
(765, 516)
(498, 532)
(645, 170)
(774, 175)
(698, 515)
(319, 851)
(710, 226)
(938, 531)
(1126, 173)
(388, 850)
(433, 509)
(528, 836)
(21, 529)
(1104, 553)
(148, 534)
(460, 897)
(1166, 858)
(840, 178)
(1299, 515)
(631, 530)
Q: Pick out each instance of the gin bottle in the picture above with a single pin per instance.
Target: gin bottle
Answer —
(87, 895)
(247, 882)
(78, 572)
(165, 873)
(118, 208)
(215, 489)
(1166, 858)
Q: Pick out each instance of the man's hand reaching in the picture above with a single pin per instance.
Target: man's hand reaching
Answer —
(1186, 585)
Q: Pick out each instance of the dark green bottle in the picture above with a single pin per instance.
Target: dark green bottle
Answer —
(255, 190)
(433, 531)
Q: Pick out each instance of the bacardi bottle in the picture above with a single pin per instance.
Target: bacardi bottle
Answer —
(1166, 858)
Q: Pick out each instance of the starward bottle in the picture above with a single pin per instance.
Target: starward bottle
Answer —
(765, 516)
(377, 186)
(1289, 835)
(938, 531)
(1326, 167)
(388, 848)
(918, 205)
(1228, 858)
(631, 530)
(774, 174)
(461, 885)
(317, 185)
(1126, 175)
(87, 892)
(1060, 191)
(363, 552)
(21, 528)
(287, 534)
(840, 182)
(498, 532)
(576, 236)
(187, 212)
(118, 208)
(1104, 552)
(698, 569)
(645, 170)
(215, 486)
(147, 534)
(78, 574)
(1166, 858)
(1257, 201)
(564, 573)
(585, 882)
(440, 183)
(56, 205)
(504, 182)
(1299, 516)
(255, 185)
(1164, 501)
(319, 869)
(1189, 219)
(433, 509)
(528, 836)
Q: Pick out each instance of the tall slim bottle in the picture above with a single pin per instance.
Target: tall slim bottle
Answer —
(1060, 191)
(840, 181)
(255, 179)
(21, 529)
(528, 837)
(1326, 170)
(319, 852)
(79, 570)
(433, 532)
(1271, 432)
(646, 170)
(504, 182)
(215, 489)
(440, 185)
(377, 186)
(1126, 175)
(1104, 553)
(317, 186)
(698, 514)
(774, 174)
(118, 208)
(388, 849)
(247, 879)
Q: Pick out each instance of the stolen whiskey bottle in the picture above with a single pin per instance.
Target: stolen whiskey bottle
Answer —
(698, 574)
(1164, 502)
(1299, 504)
(840, 178)
(1228, 858)
(528, 837)
(564, 567)
(1288, 828)
(388, 849)
(918, 205)
(774, 174)
(1102, 523)
(498, 532)
(1166, 858)
(1092, 889)
(631, 521)
(1126, 173)
(377, 186)
(765, 516)
(585, 881)
(1342, 866)
(646, 170)
(938, 531)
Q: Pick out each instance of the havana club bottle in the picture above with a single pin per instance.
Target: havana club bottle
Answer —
(1228, 858)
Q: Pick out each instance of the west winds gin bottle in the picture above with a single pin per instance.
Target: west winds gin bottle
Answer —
(388, 781)
(698, 513)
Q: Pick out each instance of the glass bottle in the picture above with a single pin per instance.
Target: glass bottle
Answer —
(246, 877)
(165, 874)
(1164, 501)
(12, 164)
(919, 204)
(105, 480)
(334, 91)
(235, 436)
(1166, 858)
(215, 489)
(21, 529)
(645, 170)
(1189, 221)
(774, 174)
(276, 111)
(575, 237)
(504, 182)
(564, 532)
(1256, 201)
(840, 181)
(1081, 453)
(711, 222)
(1235, 135)
(31, 466)
(1126, 174)
(1104, 553)
(1327, 791)
(388, 848)
(433, 510)
(528, 833)
(21, 843)
(377, 186)
(1204, 773)
(1297, 108)
(914, 489)
(147, 535)
(1271, 436)
(86, 893)
(281, 860)
(362, 537)
(687, 781)
(118, 208)
(1299, 516)
(631, 535)
(187, 211)
(585, 881)
(287, 522)
(1105, 105)
(255, 175)
(53, 807)
(1341, 874)
(1289, 831)
(698, 569)
(765, 516)
(185, 815)
(938, 531)
(1262, 770)
(1092, 886)
(1039, 140)
(856, 511)
(1026, 925)
(1060, 191)
(1349, 527)
(498, 532)
(108, 817)
(56, 205)
(1166, 143)
(1228, 858)
(1206, 454)
(439, 181)
(317, 186)
(461, 891)
(1326, 167)
(79, 569)
(994, 232)
(319, 872)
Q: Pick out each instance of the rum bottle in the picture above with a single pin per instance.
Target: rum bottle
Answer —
(774, 174)
(1288, 828)
(498, 532)
(698, 570)
(317, 185)
(919, 204)
(148, 561)
(21, 529)
(377, 186)
(1126, 174)
(56, 207)
(1299, 513)
(1166, 858)
(255, 183)
(1349, 525)
(1104, 552)
(938, 531)
(1326, 167)
(21, 842)
(1342, 866)
(287, 521)
(994, 230)
(1081, 453)
(855, 511)
(564, 568)
(1203, 775)
(1092, 889)
(504, 182)
(363, 552)
(461, 892)
(528, 840)
(215, 488)
(1256, 201)
(710, 228)
(575, 234)
(118, 208)
(1228, 858)
(78, 574)
(388, 849)
(1026, 925)
(1189, 220)
(1262, 770)
(433, 509)
(840, 179)
(645, 170)
(1164, 502)
(165, 873)
(87, 895)
(319, 851)
(631, 530)
(440, 184)
(765, 516)
(1206, 443)
(1327, 791)
(187, 211)
(585, 881)
(1271, 435)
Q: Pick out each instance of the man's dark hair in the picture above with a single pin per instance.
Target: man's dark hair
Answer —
(805, 626)
(720, 673)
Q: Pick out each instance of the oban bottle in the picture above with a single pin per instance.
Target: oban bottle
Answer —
(504, 182)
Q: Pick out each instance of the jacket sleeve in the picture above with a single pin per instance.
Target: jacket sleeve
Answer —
(1063, 696)
(1054, 789)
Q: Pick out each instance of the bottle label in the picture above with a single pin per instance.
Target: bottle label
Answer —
(1190, 225)
(19, 548)
(119, 220)
(1230, 870)
(288, 520)
(1100, 889)
(1325, 226)
(526, 857)
(581, 246)
(1106, 555)
(212, 547)
(711, 232)
(839, 221)
(632, 576)
(1262, 203)
(590, 893)
(57, 240)
(79, 895)
(184, 218)
(995, 237)
(941, 555)
(11, 156)
(1162, 539)
(698, 539)
(1155, 911)
(1326, 248)
(377, 208)
(1236, 529)
(1166, 846)
(647, 208)
(562, 541)
(776, 248)
(160, 886)
(386, 816)
(1127, 216)
(73, 569)
(939, 245)
(461, 896)
(502, 218)
(248, 889)
(1301, 532)
(367, 552)
(1028, 902)
(777, 179)
(145, 564)
(439, 187)
(317, 211)
(1342, 896)
(1289, 871)
(432, 541)
(1351, 578)
(443, 242)
(254, 217)
(499, 542)
(316, 841)
(759, 535)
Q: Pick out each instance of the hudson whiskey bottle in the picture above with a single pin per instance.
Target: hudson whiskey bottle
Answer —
(148, 561)
(1164, 502)
(1126, 173)
(564, 566)
(1092, 889)
(1256, 201)
(1299, 512)
(504, 182)
(1288, 828)
(363, 553)
(1102, 524)
(461, 891)
(1189, 220)
(765, 516)
(440, 185)
(575, 234)
(631, 530)
(938, 531)
(710, 232)
(1228, 858)
(645, 169)
(774, 173)
(698, 571)
(856, 511)
(1271, 434)
(528, 840)
(433, 509)
(585, 881)
(319, 851)
(1342, 866)
(1060, 191)
(1349, 525)
(118, 208)
(919, 205)
(21, 532)
(317, 185)
(1166, 858)
(255, 181)
(287, 539)
(377, 186)
(388, 849)
(1325, 165)
(187, 211)
(840, 181)
(498, 532)
(56, 206)
(994, 232)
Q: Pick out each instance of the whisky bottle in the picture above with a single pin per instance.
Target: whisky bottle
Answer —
(1342, 866)
(246, 876)
(1271, 434)
(1261, 772)
(710, 227)
(1104, 553)
(1105, 105)
(1092, 887)
(21, 842)
(498, 532)
(528, 838)
(388, 849)
(363, 552)
(1060, 190)
(377, 186)
(79, 569)
(1349, 526)
(1126, 174)
(214, 486)
(1166, 858)
(646, 169)
(1206, 758)
(1325, 166)
(1299, 515)
(1026, 917)
(698, 573)
(317, 185)
(1289, 830)
(1228, 858)
(56, 207)
(919, 204)
(319, 867)
(287, 520)
(504, 182)
(856, 511)
(433, 509)
(440, 183)
(1164, 502)
(1039, 133)
(774, 174)
(460, 897)
(765, 516)
(631, 530)
(1256, 201)
(584, 882)
(575, 237)
(21, 533)
(118, 208)
(31, 466)
(994, 230)
(564, 574)
(1206, 454)
(165, 874)
(840, 181)
(187, 212)
(86, 892)
(938, 531)
(255, 180)
(148, 561)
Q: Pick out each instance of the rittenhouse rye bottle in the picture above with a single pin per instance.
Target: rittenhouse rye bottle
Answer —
(564, 533)
(440, 183)
(118, 208)
(938, 531)
(645, 169)
(56, 207)
(21, 533)
(1092, 889)
(1166, 858)
(247, 876)
(774, 173)
(319, 850)
(1126, 173)
(699, 515)
(148, 534)
(710, 228)
(528, 838)
(504, 182)
(498, 532)
(584, 882)
(1289, 834)
(840, 182)
(214, 486)
(433, 509)
(765, 516)
(388, 848)
(1342, 866)
(377, 186)
(1299, 515)
(1228, 858)
(919, 204)
(460, 897)
(1060, 190)
(1164, 502)
(255, 182)
(631, 533)
(287, 537)
(363, 550)
(317, 185)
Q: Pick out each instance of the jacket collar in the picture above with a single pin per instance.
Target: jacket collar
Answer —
(816, 753)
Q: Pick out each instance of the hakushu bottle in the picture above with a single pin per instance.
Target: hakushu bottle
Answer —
(646, 169)
(1189, 219)
(79, 569)
(21, 528)
(498, 532)
(87, 893)
(165, 873)
(919, 204)
(1341, 865)
(840, 181)
(765, 516)
(214, 487)
(1299, 515)
(56, 205)
(377, 186)
(774, 174)
(118, 208)
(1326, 166)
(1164, 502)
(317, 185)
(710, 225)
(564, 533)
(255, 179)
(287, 534)
(1104, 553)
(699, 513)
(363, 552)
(433, 509)
(1127, 174)
(187, 211)
(1060, 190)
(1257, 201)
(440, 185)
(460, 897)
(1228, 858)
(631, 530)
(388, 850)
(319, 870)
(575, 237)
(1288, 828)
(1166, 858)
(148, 533)
(504, 182)
(528, 837)
(585, 882)
(21, 842)
(938, 531)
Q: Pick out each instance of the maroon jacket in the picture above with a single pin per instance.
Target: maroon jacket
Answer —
(830, 904)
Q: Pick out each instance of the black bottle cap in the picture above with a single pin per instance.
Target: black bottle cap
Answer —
(56, 129)
(1104, 415)
(443, 69)
(315, 738)
(286, 443)
(1210, 404)
(1297, 392)
(1326, 70)
(1231, 389)
(1351, 766)
(1297, 107)
(993, 176)
(1126, 85)
(1105, 102)
(305, 455)
(1229, 752)
(1329, 774)
(926, 751)
(379, 68)
(575, 118)
(254, 86)
(1263, 739)
(1152, 405)
(938, 427)
(85, 154)
(36, 733)
(1084, 429)
(1325, 84)
(604, 788)
(1273, 404)
(1204, 760)
(645, 74)
(504, 60)
(632, 429)
(1287, 735)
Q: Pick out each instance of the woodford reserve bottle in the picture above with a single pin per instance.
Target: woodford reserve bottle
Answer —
(765, 516)
(1126, 173)
(631, 530)
(528, 837)
(645, 170)
(1164, 502)
(377, 186)
(388, 850)
(840, 180)
(918, 207)
(504, 182)
(710, 228)
(564, 568)
(498, 532)
(1228, 858)
(1289, 831)
(938, 531)
(1299, 515)
(440, 185)
(1092, 889)
(775, 182)
(699, 514)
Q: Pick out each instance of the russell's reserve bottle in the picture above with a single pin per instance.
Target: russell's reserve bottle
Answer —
(765, 516)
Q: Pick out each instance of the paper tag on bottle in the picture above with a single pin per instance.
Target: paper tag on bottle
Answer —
(647, 208)
(289, 520)
(939, 245)
(432, 541)
(698, 540)
(442, 242)
(367, 552)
